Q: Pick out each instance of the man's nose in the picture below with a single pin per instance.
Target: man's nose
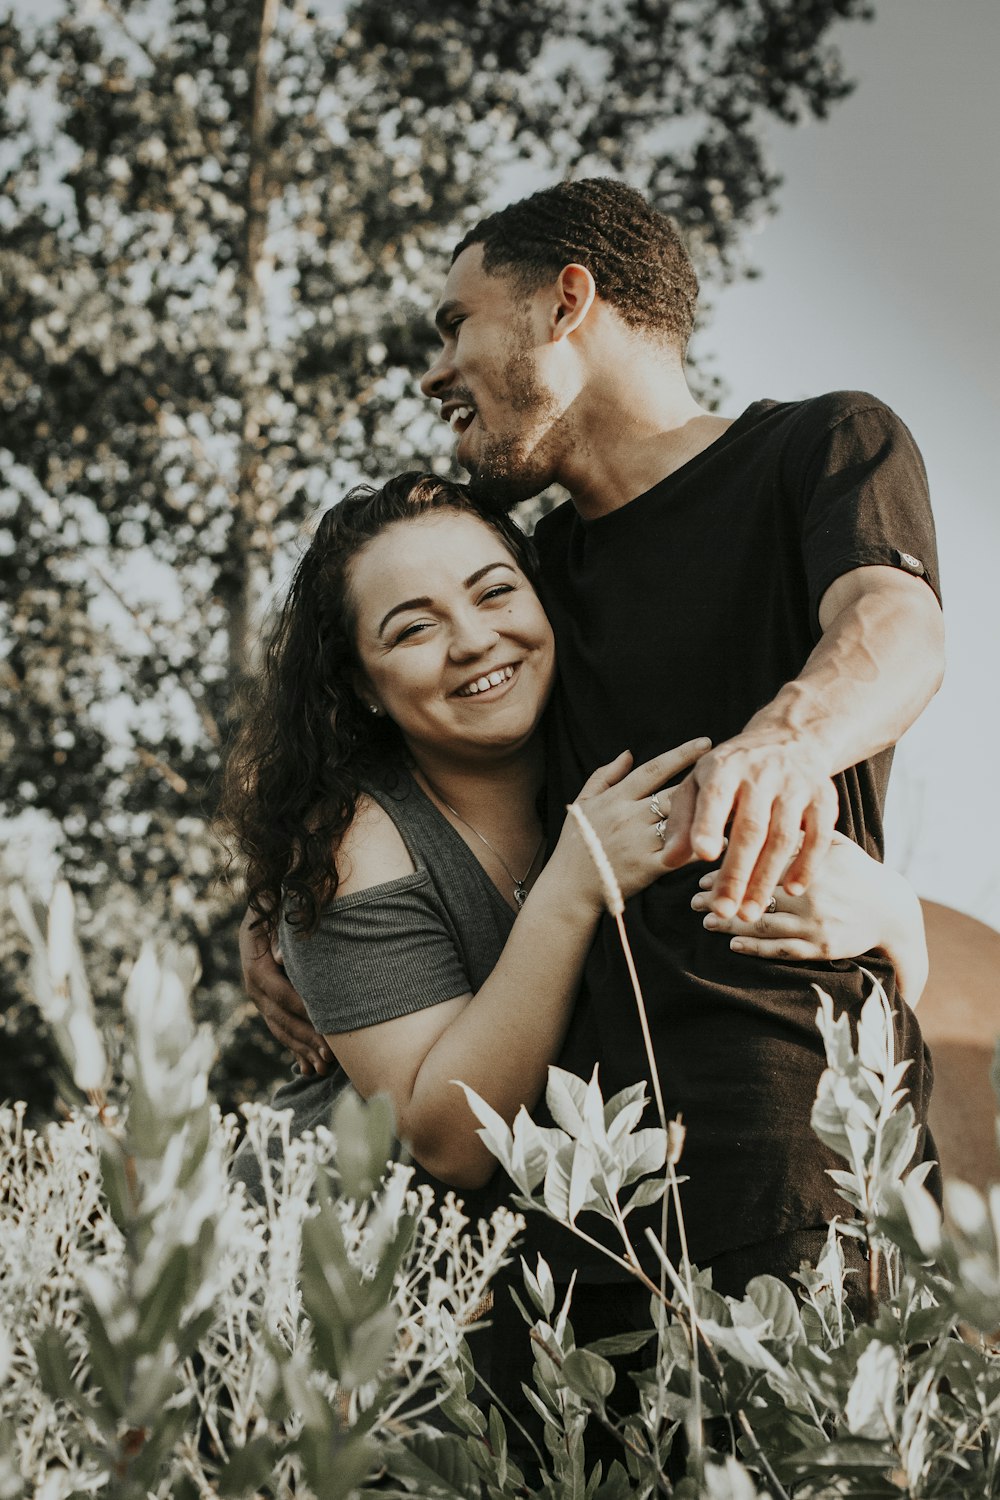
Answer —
(438, 377)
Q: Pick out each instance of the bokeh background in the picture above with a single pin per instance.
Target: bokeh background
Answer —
(222, 229)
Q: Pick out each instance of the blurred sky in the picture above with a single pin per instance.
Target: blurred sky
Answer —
(880, 273)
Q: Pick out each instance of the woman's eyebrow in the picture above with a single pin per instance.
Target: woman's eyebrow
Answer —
(424, 602)
(474, 578)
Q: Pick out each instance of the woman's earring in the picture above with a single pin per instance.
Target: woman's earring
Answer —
(373, 708)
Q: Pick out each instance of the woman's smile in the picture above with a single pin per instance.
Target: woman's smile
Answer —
(489, 683)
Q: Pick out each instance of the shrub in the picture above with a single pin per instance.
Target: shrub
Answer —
(161, 1336)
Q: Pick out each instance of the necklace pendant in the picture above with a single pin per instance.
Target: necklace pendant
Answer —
(520, 893)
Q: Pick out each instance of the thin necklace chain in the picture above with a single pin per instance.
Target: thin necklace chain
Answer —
(520, 889)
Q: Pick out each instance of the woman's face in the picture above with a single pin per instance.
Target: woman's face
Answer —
(452, 641)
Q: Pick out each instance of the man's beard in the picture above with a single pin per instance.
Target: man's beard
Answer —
(511, 469)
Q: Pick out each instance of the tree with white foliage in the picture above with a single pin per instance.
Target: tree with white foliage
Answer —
(222, 229)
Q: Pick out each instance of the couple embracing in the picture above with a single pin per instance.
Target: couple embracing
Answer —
(737, 618)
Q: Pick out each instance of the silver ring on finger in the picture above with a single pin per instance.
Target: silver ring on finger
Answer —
(661, 830)
(772, 905)
(658, 813)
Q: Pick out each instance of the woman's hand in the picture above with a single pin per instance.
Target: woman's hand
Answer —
(618, 804)
(854, 904)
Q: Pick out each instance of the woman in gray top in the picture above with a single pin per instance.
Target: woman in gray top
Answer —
(385, 791)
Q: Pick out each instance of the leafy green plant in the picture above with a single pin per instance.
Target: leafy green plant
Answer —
(160, 1335)
(164, 1336)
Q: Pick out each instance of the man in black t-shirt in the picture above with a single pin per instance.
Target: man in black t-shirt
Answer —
(769, 581)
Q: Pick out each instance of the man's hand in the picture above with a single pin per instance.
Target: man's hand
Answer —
(877, 663)
(278, 1002)
(780, 811)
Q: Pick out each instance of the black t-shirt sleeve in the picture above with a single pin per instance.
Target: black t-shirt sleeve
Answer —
(863, 491)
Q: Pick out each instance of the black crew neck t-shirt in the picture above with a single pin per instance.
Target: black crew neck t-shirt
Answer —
(681, 614)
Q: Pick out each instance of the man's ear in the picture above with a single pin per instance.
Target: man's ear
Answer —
(575, 293)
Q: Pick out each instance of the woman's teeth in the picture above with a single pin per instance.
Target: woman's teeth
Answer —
(460, 418)
(483, 684)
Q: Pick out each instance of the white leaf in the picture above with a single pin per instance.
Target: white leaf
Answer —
(90, 1064)
(966, 1208)
(565, 1097)
(871, 1402)
(495, 1133)
(555, 1189)
(585, 1167)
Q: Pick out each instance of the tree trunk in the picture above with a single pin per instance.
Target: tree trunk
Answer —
(251, 536)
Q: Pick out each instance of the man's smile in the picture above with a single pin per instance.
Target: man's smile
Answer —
(459, 415)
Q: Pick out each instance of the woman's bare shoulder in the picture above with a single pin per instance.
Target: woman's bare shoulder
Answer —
(371, 851)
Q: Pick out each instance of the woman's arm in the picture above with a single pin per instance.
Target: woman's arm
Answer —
(853, 905)
(501, 1039)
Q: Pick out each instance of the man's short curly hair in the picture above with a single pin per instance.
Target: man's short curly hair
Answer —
(634, 253)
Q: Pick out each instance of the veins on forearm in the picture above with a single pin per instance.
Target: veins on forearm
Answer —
(871, 673)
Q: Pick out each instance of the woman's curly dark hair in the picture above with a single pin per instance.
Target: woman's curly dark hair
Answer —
(305, 740)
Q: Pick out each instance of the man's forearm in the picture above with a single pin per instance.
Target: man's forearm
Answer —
(877, 665)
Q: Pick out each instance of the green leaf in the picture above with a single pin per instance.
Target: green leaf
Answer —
(161, 1439)
(463, 1414)
(535, 1401)
(107, 1361)
(742, 1344)
(438, 1462)
(850, 1456)
(541, 1287)
(775, 1301)
(161, 1311)
(371, 1344)
(155, 1379)
(621, 1343)
(642, 1152)
(249, 1467)
(498, 1447)
(588, 1375)
(114, 1177)
(616, 1486)
(625, 1102)
(335, 1469)
(377, 1290)
(364, 1134)
(55, 1369)
(648, 1192)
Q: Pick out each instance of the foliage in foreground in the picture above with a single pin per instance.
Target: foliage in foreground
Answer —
(160, 1337)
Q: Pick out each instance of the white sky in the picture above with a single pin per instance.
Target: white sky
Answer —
(880, 273)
